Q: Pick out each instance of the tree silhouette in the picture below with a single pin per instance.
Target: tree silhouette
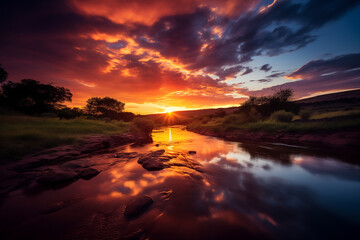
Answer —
(266, 105)
(3, 75)
(32, 97)
(104, 107)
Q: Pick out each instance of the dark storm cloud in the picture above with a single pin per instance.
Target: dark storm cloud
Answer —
(276, 75)
(317, 68)
(247, 71)
(43, 36)
(270, 77)
(337, 73)
(229, 72)
(284, 27)
(265, 68)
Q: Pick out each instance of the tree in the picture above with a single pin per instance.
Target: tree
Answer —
(104, 107)
(3, 75)
(32, 97)
(266, 105)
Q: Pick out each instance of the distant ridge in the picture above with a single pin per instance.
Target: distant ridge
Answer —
(332, 96)
(316, 99)
(199, 112)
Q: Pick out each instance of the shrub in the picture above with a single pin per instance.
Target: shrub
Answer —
(145, 125)
(205, 120)
(254, 115)
(282, 116)
(305, 114)
(232, 118)
(68, 113)
(266, 105)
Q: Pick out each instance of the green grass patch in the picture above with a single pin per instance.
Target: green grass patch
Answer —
(332, 114)
(20, 135)
(274, 126)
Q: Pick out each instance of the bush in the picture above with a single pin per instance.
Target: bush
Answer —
(68, 113)
(145, 125)
(254, 115)
(205, 120)
(282, 116)
(266, 105)
(232, 118)
(305, 114)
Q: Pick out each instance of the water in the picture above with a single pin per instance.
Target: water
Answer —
(247, 191)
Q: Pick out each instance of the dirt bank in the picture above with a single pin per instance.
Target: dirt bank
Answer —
(338, 139)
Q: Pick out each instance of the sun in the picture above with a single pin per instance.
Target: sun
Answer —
(172, 109)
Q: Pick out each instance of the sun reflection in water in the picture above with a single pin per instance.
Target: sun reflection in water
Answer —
(170, 138)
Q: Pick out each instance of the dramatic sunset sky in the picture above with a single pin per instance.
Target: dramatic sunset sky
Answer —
(163, 55)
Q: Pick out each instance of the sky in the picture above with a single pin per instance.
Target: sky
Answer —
(159, 55)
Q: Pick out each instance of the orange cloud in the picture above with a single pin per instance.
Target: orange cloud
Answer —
(147, 12)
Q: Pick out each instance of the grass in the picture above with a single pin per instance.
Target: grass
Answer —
(332, 114)
(20, 135)
(218, 125)
(312, 127)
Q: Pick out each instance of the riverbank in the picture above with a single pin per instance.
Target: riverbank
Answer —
(21, 135)
(340, 132)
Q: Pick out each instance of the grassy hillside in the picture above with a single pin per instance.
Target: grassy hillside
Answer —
(21, 135)
(332, 96)
(327, 113)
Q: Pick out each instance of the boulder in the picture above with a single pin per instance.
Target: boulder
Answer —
(88, 173)
(154, 161)
(138, 206)
(158, 160)
(57, 176)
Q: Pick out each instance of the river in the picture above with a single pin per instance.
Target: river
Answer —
(245, 191)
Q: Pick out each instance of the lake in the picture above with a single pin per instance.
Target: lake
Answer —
(244, 191)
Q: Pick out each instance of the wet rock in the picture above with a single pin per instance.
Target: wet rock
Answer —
(57, 176)
(153, 166)
(137, 235)
(192, 152)
(166, 194)
(106, 144)
(88, 173)
(138, 206)
(158, 160)
(142, 140)
(154, 161)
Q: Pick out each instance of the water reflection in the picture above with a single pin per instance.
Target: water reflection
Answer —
(247, 191)
(170, 138)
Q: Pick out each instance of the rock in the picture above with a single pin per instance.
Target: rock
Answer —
(142, 140)
(57, 176)
(106, 144)
(154, 161)
(138, 206)
(192, 152)
(158, 160)
(88, 173)
(153, 166)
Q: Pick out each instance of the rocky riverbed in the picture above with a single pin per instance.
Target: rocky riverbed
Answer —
(180, 186)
